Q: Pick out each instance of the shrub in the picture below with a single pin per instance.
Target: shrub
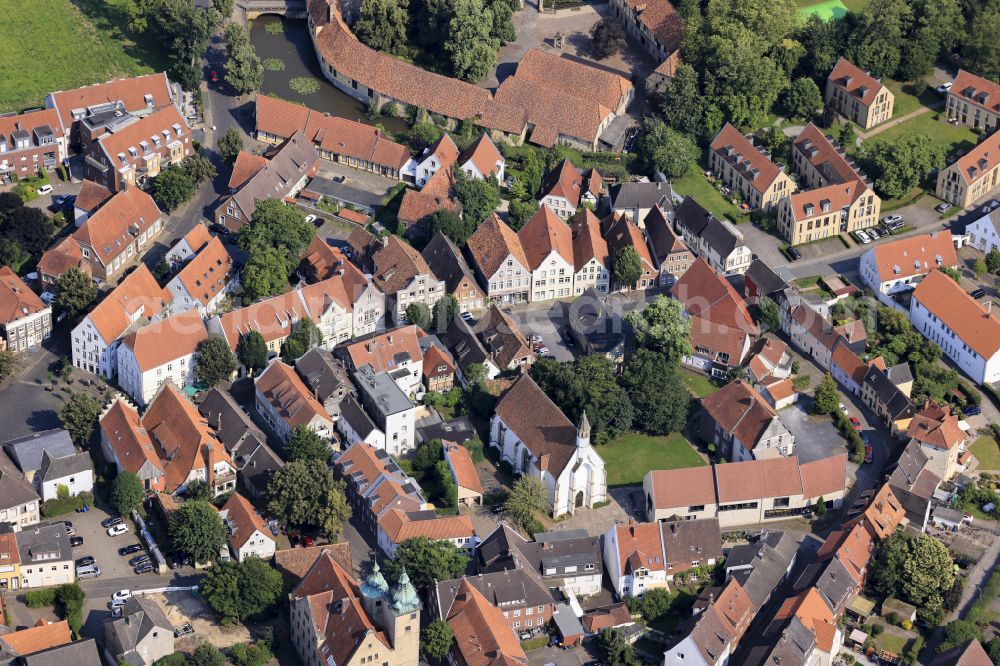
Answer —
(877, 629)
(256, 654)
(533, 527)
(906, 624)
(40, 598)
(175, 659)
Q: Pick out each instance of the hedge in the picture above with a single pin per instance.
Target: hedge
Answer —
(40, 598)
(57, 507)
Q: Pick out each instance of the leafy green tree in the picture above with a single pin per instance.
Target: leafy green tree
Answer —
(29, 227)
(683, 106)
(471, 48)
(937, 27)
(382, 24)
(6, 363)
(436, 639)
(979, 267)
(126, 493)
(199, 168)
(656, 603)
(426, 561)
(981, 48)
(244, 70)
(527, 496)
(195, 528)
(820, 507)
(741, 80)
(588, 384)
(224, 7)
(452, 225)
(607, 38)
(478, 197)
(275, 225)
(419, 314)
(306, 444)
(665, 150)
(662, 327)
(206, 655)
(475, 447)
(253, 351)
(993, 261)
(197, 490)
(616, 649)
(502, 28)
(959, 632)
(520, 212)
(216, 361)
(627, 267)
(951, 272)
(827, 398)
(230, 144)
(845, 135)
(172, 187)
(8, 202)
(993, 650)
(449, 491)
(12, 255)
(878, 35)
(74, 291)
(79, 415)
(824, 42)
(767, 314)
(802, 99)
(303, 493)
(927, 574)
(657, 392)
(305, 336)
(445, 311)
(427, 455)
(256, 654)
(265, 274)
(899, 165)
(240, 590)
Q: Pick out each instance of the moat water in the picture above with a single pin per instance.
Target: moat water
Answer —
(294, 48)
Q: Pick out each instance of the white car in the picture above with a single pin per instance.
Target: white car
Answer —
(863, 237)
(944, 87)
(891, 219)
(116, 603)
(842, 408)
(310, 219)
(120, 528)
(123, 595)
(44, 189)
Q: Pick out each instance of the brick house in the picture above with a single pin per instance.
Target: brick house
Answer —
(132, 150)
(30, 141)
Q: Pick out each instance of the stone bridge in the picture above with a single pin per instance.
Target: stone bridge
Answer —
(293, 9)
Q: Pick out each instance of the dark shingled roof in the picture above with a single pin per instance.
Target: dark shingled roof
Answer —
(699, 222)
(539, 424)
(79, 653)
(641, 195)
(231, 424)
(765, 279)
(325, 374)
(967, 654)
(446, 261)
(26, 452)
(516, 587)
(57, 468)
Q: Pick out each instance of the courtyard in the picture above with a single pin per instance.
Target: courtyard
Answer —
(629, 457)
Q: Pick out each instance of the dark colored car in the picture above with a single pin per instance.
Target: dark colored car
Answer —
(75, 541)
(972, 410)
(85, 560)
(139, 559)
(143, 569)
(307, 542)
(794, 254)
(128, 550)
(977, 293)
(70, 530)
(110, 522)
(215, 76)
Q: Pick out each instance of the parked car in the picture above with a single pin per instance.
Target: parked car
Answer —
(842, 408)
(128, 550)
(143, 569)
(111, 522)
(89, 571)
(215, 76)
(311, 219)
(183, 630)
(972, 410)
(863, 237)
(307, 541)
(117, 530)
(891, 219)
(70, 530)
(893, 226)
(75, 541)
(124, 595)
(467, 316)
(44, 189)
(977, 293)
(855, 423)
(794, 254)
(942, 208)
(869, 453)
(873, 233)
(138, 559)
(116, 603)
(85, 560)
(944, 87)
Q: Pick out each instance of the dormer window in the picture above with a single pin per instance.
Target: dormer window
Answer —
(148, 99)
(133, 152)
(166, 135)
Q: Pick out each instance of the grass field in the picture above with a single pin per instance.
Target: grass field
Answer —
(628, 458)
(48, 45)
(825, 9)
(954, 138)
(699, 385)
(987, 452)
(696, 185)
(911, 96)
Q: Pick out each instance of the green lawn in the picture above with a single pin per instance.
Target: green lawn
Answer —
(954, 138)
(48, 45)
(696, 185)
(628, 458)
(911, 96)
(987, 452)
(825, 9)
(699, 385)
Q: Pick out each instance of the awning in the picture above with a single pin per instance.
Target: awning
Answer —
(861, 606)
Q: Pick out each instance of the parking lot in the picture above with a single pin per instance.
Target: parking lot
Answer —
(815, 437)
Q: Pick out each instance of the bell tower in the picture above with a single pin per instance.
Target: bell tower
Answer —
(583, 432)
(401, 620)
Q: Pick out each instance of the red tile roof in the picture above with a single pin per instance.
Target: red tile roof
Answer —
(245, 518)
(566, 182)
(539, 424)
(291, 399)
(28, 122)
(824, 476)
(132, 445)
(934, 424)
(207, 275)
(739, 410)
(640, 546)
(689, 486)
(662, 20)
(753, 479)
(397, 264)
(980, 160)
(131, 92)
(398, 527)
(916, 255)
(117, 223)
(733, 147)
(136, 298)
(483, 637)
(484, 155)
(855, 81)
(16, 299)
(92, 196)
(247, 166)
(166, 340)
(587, 240)
(492, 242)
(708, 295)
(461, 464)
(116, 145)
(382, 352)
(545, 233)
(37, 638)
(297, 561)
(976, 90)
(977, 328)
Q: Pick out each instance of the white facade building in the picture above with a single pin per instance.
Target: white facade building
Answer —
(984, 233)
(160, 352)
(898, 266)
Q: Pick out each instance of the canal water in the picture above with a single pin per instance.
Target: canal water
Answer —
(294, 48)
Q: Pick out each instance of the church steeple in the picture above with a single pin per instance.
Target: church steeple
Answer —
(583, 431)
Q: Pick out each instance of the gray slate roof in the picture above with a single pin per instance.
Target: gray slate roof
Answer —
(26, 452)
(256, 468)
(765, 279)
(287, 167)
(768, 559)
(356, 417)
(326, 375)
(233, 426)
(140, 616)
(44, 540)
(446, 261)
(58, 468)
(516, 588)
(14, 488)
(463, 344)
(699, 222)
(641, 195)
(458, 430)
(79, 653)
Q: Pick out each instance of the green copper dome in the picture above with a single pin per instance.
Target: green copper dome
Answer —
(375, 587)
(404, 597)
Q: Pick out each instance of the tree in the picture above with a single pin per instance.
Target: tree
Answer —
(587, 385)
(616, 649)
(206, 655)
(768, 316)
(244, 70)
(959, 632)
(74, 291)
(741, 79)
(436, 639)
(502, 28)
(427, 455)
(656, 603)
(993, 649)
(951, 272)
(827, 399)
(12, 255)
(216, 362)
(683, 106)
(306, 444)
(253, 351)
(303, 493)
(607, 38)
(451, 225)
(199, 168)
(240, 590)
(663, 327)
(520, 212)
(478, 197)
(445, 311)
(8, 202)
(6, 363)
(419, 314)
(471, 48)
(993, 261)
(381, 24)
(197, 490)
(627, 267)
(878, 35)
(663, 150)
(305, 336)
(938, 25)
(265, 274)
(927, 574)
(224, 7)
(979, 267)
(255, 654)
(426, 561)
(79, 415)
(172, 187)
(657, 392)
(126, 493)
(802, 99)
(275, 226)
(449, 491)
(29, 227)
(981, 48)
(900, 164)
(845, 135)
(820, 507)
(195, 528)
(230, 144)
(527, 496)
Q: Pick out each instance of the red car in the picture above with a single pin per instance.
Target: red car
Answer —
(855, 423)
(869, 453)
(215, 76)
(307, 542)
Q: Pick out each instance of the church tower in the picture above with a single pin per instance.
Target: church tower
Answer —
(374, 593)
(583, 432)
(401, 621)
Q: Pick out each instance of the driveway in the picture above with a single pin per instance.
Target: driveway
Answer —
(581, 654)
(815, 436)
